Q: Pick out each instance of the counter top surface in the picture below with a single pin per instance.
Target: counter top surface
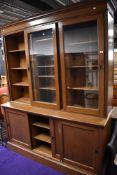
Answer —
(60, 114)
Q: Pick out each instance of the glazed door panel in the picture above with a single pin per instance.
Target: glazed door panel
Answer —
(82, 62)
(42, 57)
(18, 127)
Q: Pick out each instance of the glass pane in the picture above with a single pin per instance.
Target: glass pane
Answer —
(81, 64)
(42, 66)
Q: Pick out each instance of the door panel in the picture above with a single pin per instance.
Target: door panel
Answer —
(78, 144)
(82, 64)
(18, 127)
(43, 60)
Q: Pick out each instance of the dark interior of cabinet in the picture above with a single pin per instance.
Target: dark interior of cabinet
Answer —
(15, 42)
(40, 134)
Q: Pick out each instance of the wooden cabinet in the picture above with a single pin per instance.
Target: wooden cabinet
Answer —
(80, 84)
(59, 71)
(18, 127)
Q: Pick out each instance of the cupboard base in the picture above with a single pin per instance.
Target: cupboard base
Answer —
(48, 161)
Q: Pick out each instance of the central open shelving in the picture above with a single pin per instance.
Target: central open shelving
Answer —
(41, 137)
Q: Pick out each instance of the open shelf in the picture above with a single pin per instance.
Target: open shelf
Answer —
(19, 68)
(23, 100)
(40, 134)
(43, 149)
(41, 125)
(15, 51)
(43, 137)
(21, 84)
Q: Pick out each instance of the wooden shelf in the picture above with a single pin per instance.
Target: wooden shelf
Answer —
(41, 125)
(46, 39)
(46, 66)
(46, 76)
(84, 42)
(83, 88)
(15, 51)
(43, 149)
(48, 88)
(19, 68)
(43, 137)
(21, 84)
(23, 100)
(93, 66)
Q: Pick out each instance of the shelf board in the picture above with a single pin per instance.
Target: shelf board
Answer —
(41, 125)
(43, 137)
(93, 66)
(45, 39)
(84, 42)
(15, 51)
(19, 68)
(46, 66)
(21, 84)
(48, 88)
(22, 100)
(43, 149)
(83, 88)
(46, 76)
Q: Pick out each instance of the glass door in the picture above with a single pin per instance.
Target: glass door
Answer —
(81, 70)
(43, 64)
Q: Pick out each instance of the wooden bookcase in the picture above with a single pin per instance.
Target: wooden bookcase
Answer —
(17, 67)
(60, 78)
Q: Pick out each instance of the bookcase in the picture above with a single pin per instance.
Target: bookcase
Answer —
(17, 67)
(60, 78)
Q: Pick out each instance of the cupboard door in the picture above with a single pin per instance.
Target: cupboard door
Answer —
(79, 145)
(18, 127)
(82, 64)
(42, 50)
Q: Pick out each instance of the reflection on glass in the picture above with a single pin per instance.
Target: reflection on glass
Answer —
(81, 64)
(42, 65)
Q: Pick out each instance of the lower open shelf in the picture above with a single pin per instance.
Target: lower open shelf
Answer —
(43, 137)
(44, 149)
(23, 100)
